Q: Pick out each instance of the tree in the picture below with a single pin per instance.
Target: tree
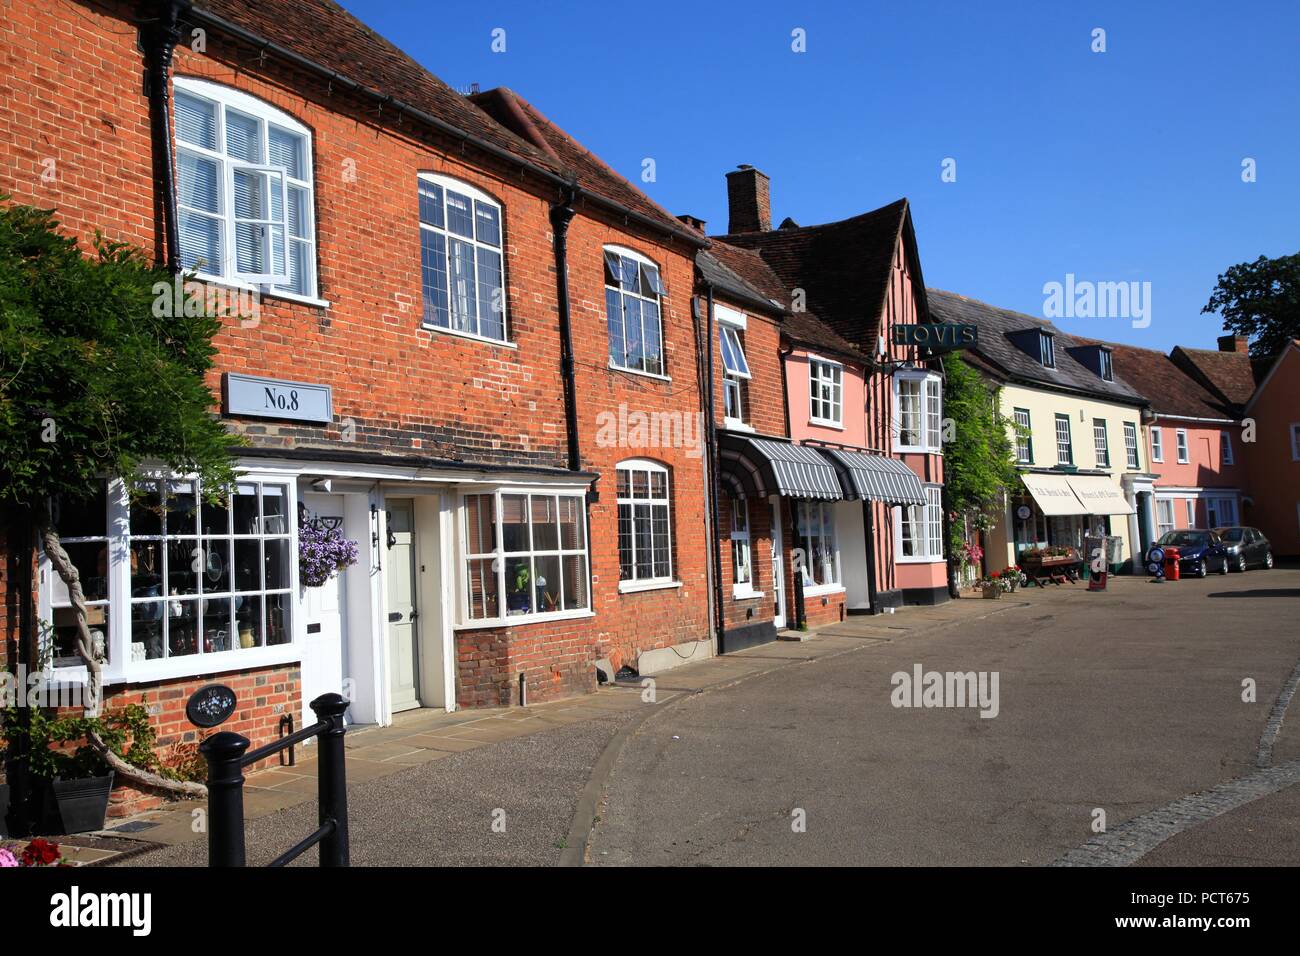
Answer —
(1260, 300)
(101, 374)
(978, 464)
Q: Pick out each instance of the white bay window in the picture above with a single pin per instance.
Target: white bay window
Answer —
(918, 411)
(919, 528)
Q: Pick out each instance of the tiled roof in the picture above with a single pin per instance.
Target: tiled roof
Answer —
(1232, 376)
(730, 284)
(843, 267)
(1169, 389)
(324, 33)
(996, 349)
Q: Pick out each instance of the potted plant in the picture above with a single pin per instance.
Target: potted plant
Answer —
(992, 585)
(38, 852)
(322, 553)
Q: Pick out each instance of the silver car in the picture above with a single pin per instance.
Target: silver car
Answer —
(1246, 547)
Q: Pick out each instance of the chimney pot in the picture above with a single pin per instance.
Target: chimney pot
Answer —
(695, 222)
(1233, 343)
(749, 205)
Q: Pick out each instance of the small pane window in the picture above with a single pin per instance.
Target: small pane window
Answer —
(633, 313)
(462, 274)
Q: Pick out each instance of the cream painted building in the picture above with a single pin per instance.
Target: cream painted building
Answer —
(1077, 434)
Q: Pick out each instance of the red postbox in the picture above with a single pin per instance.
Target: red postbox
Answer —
(1171, 564)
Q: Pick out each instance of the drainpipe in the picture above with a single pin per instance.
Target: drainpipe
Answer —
(160, 38)
(562, 214)
(714, 491)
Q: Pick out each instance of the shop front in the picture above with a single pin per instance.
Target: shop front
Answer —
(1057, 511)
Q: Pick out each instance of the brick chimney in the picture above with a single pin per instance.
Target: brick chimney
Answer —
(1233, 343)
(748, 204)
(695, 222)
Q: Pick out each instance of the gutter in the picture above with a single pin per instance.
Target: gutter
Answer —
(403, 108)
(159, 39)
(711, 433)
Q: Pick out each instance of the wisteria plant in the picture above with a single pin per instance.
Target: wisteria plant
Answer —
(322, 553)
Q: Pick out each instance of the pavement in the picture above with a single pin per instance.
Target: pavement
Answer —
(1127, 701)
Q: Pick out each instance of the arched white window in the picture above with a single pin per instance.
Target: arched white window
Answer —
(645, 547)
(461, 272)
(633, 293)
(244, 189)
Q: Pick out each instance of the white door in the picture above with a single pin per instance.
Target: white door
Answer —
(778, 566)
(399, 565)
(324, 663)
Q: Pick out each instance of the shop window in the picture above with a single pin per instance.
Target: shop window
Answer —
(461, 268)
(644, 523)
(245, 190)
(525, 555)
(633, 310)
(741, 553)
(83, 531)
(826, 393)
(920, 528)
(815, 531)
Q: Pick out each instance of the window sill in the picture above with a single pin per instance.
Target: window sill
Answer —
(634, 371)
(821, 590)
(826, 423)
(262, 292)
(221, 662)
(635, 587)
(736, 425)
(899, 559)
(744, 594)
(442, 329)
(925, 450)
(523, 620)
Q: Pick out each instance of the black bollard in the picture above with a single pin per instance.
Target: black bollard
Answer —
(332, 787)
(224, 753)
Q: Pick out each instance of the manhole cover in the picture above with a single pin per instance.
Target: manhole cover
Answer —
(134, 827)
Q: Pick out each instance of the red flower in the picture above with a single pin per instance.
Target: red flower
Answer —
(41, 853)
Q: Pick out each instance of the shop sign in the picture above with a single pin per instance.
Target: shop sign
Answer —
(256, 397)
(937, 337)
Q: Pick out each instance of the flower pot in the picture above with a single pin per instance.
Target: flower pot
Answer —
(993, 592)
(82, 803)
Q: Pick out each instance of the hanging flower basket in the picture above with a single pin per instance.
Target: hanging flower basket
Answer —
(322, 553)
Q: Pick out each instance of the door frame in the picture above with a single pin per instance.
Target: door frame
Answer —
(415, 601)
(778, 562)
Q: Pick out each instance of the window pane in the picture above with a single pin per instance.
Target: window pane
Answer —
(491, 295)
(624, 482)
(464, 300)
(275, 509)
(487, 219)
(571, 529)
(285, 149)
(91, 561)
(184, 560)
(245, 513)
(248, 565)
(546, 583)
(433, 277)
(182, 508)
(459, 219)
(640, 484)
(633, 344)
(216, 565)
(277, 564)
(83, 517)
(479, 510)
(431, 204)
(248, 620)
(575, 582)
(243, 137)
(299, 277)
(514, 523)
(658, 484)
(147, 631)
(614, 318)
(643, 531)
(625, 556)
(662, 558)
(546, 533)
(482, 581)
(196, 121)
(200, 242)
(297, 213)
(216, 625)
(197, 182)
(278, 629)
(654, 360)
(182, 628)
(631, 275)
(519, 586)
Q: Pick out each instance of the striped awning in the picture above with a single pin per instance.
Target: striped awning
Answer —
(876, 478)
(759, 467)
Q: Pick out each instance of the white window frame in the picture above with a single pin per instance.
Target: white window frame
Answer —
(500, 561)
(1101, 442)
(477, 198)
(742, 554)
(1046, 350)
(637, 581)
(1024, 436)
(226, 99)
(1191, 512)
(120, 668)
(1226, 457)
(929, 411)
(1106, 364)
(1157, 444)
(1066, 442)
(830, 564)
(825, 392)
(731, 327)
(1162, 526)
(649, 272)
(1182, 450)
(1131, 458)
(919, 528)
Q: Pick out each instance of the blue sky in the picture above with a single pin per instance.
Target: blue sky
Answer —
(1122, 166)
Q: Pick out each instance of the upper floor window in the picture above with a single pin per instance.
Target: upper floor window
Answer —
(735, 367)
(1131, 445)
(1106, 364)
(1064, 448)
(244, 189)
(1225, 448)
(633, 294)
(1295, 441)
(918, 409)
(460, 258)
(1046, 351)
(1183, 454)
(1101, 442)
(1024, 437)
(644, 523)
(826, 392)
(1157, 444)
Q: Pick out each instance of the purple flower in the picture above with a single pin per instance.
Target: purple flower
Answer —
(322, 553)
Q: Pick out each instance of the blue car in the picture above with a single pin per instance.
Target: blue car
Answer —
(1199, 551)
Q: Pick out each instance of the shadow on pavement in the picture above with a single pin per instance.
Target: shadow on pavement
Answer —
(1257, 593)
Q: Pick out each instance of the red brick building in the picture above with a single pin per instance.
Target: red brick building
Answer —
(462, 340)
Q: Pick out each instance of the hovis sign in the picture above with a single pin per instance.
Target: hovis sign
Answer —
(937, 338)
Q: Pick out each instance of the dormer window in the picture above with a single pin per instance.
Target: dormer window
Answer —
(1106, 366)
(1046, 353)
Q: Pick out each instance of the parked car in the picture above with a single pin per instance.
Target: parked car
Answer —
(1246, 547)
(1198, 550)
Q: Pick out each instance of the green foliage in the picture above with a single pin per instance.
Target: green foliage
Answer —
(92, 381)
(126, 732)
(978, 464)
(1260, 300)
